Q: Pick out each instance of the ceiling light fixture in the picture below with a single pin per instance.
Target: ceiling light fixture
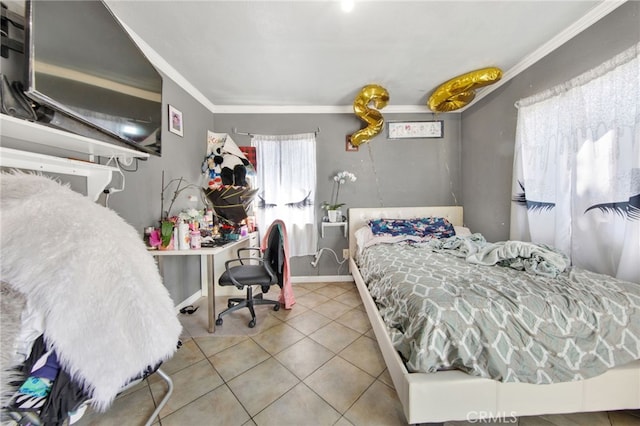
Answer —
(347, 5)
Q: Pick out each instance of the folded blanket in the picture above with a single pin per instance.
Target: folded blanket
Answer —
(534, 258)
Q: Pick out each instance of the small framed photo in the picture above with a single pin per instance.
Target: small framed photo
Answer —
(415, 129)
(175, 121)
(348, 146)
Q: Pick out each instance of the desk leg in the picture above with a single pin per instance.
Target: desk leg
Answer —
(208, 272)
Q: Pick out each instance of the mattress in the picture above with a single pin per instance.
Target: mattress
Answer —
(498, 322)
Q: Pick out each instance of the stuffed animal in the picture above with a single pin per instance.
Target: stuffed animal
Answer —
(225, 163)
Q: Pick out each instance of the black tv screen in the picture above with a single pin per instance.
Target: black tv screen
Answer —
(84, 66)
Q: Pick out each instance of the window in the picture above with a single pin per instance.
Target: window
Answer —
(286, 178)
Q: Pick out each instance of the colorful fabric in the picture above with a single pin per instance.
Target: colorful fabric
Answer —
(436, 227)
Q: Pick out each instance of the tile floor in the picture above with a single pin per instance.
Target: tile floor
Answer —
(317, 364)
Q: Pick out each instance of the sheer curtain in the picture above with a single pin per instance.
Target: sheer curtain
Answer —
(576, 182)
(286, 178)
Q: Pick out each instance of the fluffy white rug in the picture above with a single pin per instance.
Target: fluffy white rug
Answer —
(11, 305)
(107, 313)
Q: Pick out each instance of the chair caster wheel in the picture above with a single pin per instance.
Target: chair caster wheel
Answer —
(219, 321)
(229, 304)
(276, 308)
(252, 323)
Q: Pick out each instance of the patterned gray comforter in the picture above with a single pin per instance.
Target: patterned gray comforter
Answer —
(497, 322)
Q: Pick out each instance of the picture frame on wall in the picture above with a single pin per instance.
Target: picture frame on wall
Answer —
(415, 129)
(176, 124)
(348, 146)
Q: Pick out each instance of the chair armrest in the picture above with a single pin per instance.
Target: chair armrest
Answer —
(240, 250)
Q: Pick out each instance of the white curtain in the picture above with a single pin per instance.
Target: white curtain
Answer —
(286, 178)
(576, 179)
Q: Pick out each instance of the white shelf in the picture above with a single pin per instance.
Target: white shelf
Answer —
(98, 176)
(335, 224)
(30, 132)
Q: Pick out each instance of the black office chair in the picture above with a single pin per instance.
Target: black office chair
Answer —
(252, 271)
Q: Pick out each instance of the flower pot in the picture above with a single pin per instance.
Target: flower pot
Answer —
(334, 215)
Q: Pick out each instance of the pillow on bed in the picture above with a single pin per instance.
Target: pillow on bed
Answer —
(462, 231)
(434, 227)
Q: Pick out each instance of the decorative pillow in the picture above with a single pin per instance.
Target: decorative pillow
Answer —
(434, 227)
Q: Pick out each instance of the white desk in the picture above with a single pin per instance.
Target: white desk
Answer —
(207, 272)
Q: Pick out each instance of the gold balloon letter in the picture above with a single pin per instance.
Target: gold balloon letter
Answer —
(379, 96)
(459, 91)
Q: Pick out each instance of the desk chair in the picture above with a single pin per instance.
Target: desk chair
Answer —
(249, 272)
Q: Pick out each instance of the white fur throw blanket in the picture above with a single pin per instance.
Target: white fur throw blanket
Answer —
(106, 312)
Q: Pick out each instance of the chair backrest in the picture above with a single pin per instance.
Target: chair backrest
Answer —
(274, 252)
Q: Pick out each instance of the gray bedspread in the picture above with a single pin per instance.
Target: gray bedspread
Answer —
(498, 322)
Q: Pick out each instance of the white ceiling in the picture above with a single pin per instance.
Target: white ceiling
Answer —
(311, 54)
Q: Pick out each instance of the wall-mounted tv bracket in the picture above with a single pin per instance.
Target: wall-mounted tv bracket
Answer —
(9, 43)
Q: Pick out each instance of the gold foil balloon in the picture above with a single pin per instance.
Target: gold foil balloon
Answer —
(379, 96)
(459, 91)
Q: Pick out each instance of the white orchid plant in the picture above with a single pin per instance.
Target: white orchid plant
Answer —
(338, 180)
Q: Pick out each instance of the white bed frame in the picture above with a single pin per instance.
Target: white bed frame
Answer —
(454, 395)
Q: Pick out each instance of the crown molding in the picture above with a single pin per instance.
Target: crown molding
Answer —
(593, 16)
(314, 109)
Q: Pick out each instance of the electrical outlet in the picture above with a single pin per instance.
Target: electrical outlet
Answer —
(345, 253)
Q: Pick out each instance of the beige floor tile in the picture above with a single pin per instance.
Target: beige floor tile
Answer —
(299, 289)
(188, 354)
(237, 359)
(522, 421)
(339, 383)
(311, 299)
(625, 418)
(385, 378)
(287, 314)
(213, 344)
(308, 322)
(133, 408)
(335, 336)
(351, 298)
(218, 407)
(343, 422)
(332, 291)
(261, 385)
(189, 383)
(356, 320)
(378, 406)
(278, 338)
(304, 357)
(299, 406)
(575, 419)
(271, 320)
(332, 308)
(364, 354)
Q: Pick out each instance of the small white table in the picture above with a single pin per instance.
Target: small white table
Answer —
(207, 272)
(335, 224)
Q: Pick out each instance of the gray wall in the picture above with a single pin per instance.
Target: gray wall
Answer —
(139, 203)
(389, 172)
(488, 128)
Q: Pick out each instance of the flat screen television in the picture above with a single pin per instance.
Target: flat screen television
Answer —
(90, 76)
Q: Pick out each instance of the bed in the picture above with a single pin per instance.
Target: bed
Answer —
(456, 395)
